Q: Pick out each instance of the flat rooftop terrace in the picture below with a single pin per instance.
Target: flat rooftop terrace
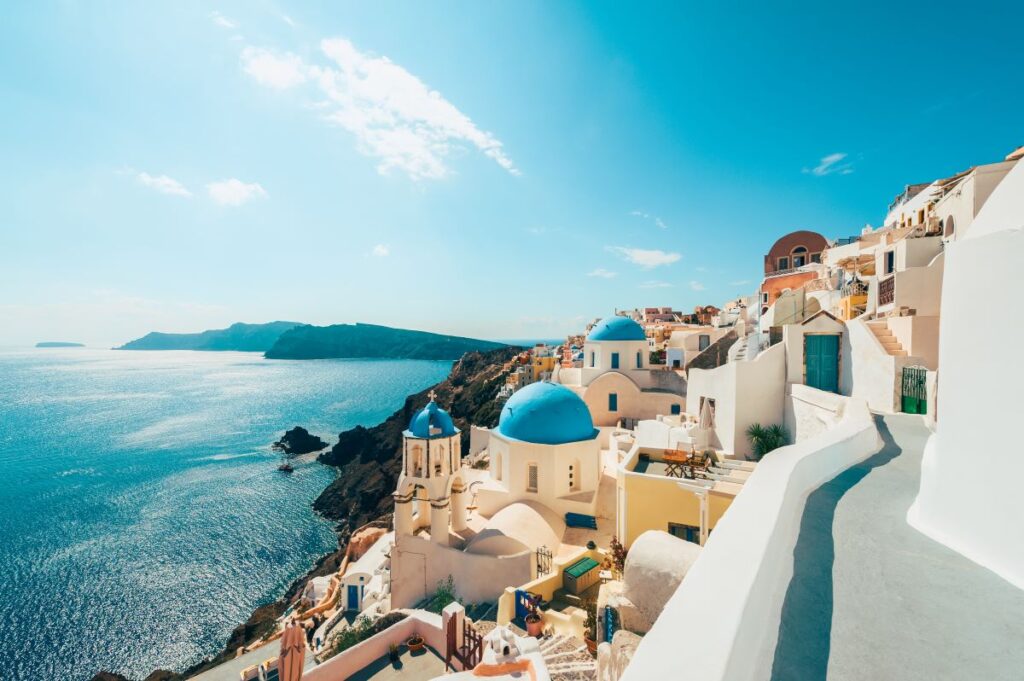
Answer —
(872, 598)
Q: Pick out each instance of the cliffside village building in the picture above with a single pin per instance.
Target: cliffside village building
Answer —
(881, 540)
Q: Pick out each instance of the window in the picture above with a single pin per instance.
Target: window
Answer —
(920, 216)
(574, 476)
(890, 261)
(613, 402)
(639, 359)
(948, 231)
(615, 360)
(703, 341)
(815, 257)
(783, 264)
(685, 532)
(531, 477)
(764, 297)
(675, 410)
(497, 465)
(592, 359)
(799, 256)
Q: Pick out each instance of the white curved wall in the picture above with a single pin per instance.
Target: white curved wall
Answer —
(970, 496)
(722, 622)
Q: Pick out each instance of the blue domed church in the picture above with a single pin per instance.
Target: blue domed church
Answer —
(483, 526)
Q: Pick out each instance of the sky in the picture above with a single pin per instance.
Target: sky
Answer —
(496, 170)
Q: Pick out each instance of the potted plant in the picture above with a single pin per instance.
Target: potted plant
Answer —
(393, 652)
(590, 626)
(415, 643)
(534, 624)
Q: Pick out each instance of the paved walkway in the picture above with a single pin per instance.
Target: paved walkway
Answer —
(872, 598)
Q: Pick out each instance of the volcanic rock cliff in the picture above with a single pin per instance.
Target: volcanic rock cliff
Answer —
(369, 459)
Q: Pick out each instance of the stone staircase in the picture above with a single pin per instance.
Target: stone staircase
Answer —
(567, 659)
(885, 337)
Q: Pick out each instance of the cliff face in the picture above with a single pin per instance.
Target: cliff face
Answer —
(372, 341)
(239, 337)
(369, 459)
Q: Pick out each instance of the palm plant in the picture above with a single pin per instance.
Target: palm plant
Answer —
(765, 439)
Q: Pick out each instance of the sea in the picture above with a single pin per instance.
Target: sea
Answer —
(142, 515)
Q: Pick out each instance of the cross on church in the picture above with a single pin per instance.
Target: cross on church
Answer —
(432, 395)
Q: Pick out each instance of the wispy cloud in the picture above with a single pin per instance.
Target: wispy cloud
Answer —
(831, 164)
(164, 184)
(647, 216)
(603, 273)
(646, 258)
(394, 116)
(696, 286)
(234, 192)
(221, 20)
(279, 71)
(655, 284)
(741, 282)
(381, 250)
(288, 20)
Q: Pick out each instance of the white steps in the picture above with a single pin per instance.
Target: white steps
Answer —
(888, 341)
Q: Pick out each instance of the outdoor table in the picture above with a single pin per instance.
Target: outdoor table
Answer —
(675, 463)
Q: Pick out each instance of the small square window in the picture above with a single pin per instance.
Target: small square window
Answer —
(783, 264)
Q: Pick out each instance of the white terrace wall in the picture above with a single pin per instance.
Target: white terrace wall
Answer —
(418, 565)
(722, 622)
(970, 497)
(744, 393)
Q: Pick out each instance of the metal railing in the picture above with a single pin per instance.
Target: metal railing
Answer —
(887, 290)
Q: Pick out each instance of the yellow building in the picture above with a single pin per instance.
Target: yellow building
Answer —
(647, 498)
(542, 365)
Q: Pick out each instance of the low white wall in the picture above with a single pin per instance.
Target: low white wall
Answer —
(810, 412)
(722, 622)
(348, 662)
(418, 565)
(871, 370)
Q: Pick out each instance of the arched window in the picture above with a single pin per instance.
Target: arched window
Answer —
(799, 256)
(639, 359)
(497, 466)
(950, 227)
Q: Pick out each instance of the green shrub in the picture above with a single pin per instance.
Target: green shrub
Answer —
(767, 439)
(444, 595)
(360, 630)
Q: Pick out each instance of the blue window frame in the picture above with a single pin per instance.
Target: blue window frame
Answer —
(615, 360)
(675, 409)
(613, 402)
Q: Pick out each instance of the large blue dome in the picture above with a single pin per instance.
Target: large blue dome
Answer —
(617, 329)
(548, 414)
(432, 421)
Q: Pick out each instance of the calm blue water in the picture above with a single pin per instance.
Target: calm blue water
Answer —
(141, 513)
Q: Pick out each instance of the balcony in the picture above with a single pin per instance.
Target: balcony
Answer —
(887, 291)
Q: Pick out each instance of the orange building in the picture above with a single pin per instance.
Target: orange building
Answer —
(782, 263)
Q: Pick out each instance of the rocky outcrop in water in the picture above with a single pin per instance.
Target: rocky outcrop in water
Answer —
(298, 441)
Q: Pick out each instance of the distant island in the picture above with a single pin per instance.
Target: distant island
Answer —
(238, 337)
(59, 344)
(368, 341)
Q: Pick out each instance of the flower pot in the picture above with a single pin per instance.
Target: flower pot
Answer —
(591, 646)
(415, 643)
(534, 625)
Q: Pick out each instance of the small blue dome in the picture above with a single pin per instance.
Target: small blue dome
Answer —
(547, 414)
(432, 421)
(617, 329)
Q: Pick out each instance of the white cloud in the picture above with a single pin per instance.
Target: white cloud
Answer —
(655, 284)
(288, 20)
(393, 115)
(221, 20)
(603, 273)
(234, 192)
(833, 163)
(658, 222)
(164, 184)
(696, 286)
(381, 250)
(741, 282)
(277, 71)
(647, 259)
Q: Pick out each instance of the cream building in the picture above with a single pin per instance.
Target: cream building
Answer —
(616, 380)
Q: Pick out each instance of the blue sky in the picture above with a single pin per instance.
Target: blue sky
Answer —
(491, 169)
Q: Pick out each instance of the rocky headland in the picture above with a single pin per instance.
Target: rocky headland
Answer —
(299, 441)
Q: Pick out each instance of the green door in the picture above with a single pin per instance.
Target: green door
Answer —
(915, 390)
(821, 358)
